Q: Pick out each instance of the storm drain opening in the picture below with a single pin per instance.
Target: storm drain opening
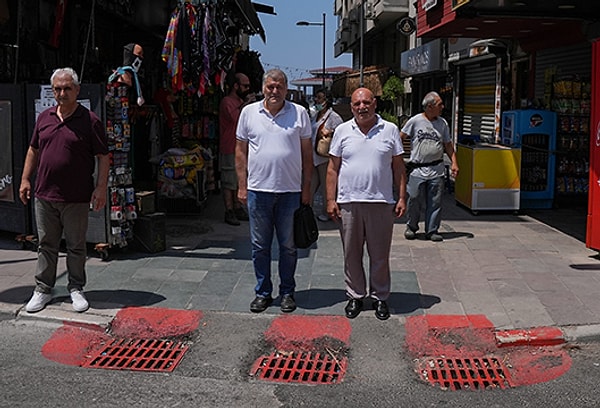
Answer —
(465, 373)
(300, 367)
(138, 355)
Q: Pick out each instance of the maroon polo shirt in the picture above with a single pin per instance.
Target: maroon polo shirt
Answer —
(66, 154)
(229, 113)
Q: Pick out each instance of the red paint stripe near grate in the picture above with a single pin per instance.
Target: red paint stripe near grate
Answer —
(465, 373)
(300, 367)
(137, 355)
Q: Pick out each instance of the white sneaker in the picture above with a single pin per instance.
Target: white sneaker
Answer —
(38, 301)
(80, 303)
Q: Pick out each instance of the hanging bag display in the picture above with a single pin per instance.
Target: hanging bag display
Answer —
(323, 139)
(306, 231)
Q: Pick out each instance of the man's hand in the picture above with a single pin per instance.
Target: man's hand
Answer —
(25, 191)
(99, 198)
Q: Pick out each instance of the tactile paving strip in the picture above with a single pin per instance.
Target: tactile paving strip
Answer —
(300, 367)
(465, 373)
(137, 355)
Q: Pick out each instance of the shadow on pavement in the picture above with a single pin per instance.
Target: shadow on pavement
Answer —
(101, 299)
(122, 297)
(399, 302)
(16, 295)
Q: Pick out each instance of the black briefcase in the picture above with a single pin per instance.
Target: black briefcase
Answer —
(306, 231)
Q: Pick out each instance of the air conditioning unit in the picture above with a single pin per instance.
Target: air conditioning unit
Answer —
(369, 11)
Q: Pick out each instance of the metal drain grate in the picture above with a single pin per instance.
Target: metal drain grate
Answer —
(300, 367)
(138, 355)
(465, 373)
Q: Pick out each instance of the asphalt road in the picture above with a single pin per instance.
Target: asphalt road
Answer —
(215, 373)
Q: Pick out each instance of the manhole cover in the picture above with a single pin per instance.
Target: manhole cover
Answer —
(300, 367)
(465, 373)
(137, 355)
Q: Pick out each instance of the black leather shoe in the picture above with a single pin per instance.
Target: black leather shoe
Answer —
(381, 310)
(353, 308)
(288, 304)
(260, 304)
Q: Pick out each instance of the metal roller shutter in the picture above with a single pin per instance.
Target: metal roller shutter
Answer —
(574, 60)
(478, 101)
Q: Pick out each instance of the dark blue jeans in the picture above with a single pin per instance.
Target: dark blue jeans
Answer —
(269, 213)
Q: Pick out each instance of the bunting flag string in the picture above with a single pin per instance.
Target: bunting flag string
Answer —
(292, 72)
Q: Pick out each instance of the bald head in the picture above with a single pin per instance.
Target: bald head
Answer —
(363, 105)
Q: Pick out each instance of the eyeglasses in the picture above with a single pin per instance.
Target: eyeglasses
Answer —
(58, 89)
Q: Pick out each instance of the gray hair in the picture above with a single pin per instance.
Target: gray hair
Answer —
(430, 99)
(275, 74)
(65, 71)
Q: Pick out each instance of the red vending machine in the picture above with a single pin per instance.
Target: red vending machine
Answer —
(593, 219)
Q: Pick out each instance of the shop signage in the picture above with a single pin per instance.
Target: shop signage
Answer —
(407, 26)
(458, 3)
(428, 4)
(423, 59)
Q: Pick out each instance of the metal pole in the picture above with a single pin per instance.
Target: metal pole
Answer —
(323, 72)
(18, 40)
(362, 32)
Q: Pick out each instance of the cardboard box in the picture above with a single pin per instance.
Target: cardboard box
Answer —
(149, 232)
(146, 202)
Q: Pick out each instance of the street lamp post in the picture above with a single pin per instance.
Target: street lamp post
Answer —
(307, 23)
(362, 42)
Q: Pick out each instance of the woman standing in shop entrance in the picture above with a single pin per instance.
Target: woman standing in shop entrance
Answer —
(324, 122)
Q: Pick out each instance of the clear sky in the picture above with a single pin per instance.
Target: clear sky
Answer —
(298, 49)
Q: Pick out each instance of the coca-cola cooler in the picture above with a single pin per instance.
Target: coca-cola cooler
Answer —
(534, 131)
(593, 218)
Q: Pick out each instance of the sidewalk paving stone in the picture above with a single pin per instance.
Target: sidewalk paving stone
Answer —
(515, 269)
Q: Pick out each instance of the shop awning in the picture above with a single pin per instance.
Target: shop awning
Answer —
(248, 12)
(533, 23)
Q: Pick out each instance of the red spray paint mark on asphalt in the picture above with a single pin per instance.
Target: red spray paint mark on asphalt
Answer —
(534, 365)
(307, 332)
(154, 323)
(449, 335)
(71, 343)
(458, 336)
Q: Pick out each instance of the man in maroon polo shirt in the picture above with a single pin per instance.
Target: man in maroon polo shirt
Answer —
(66, 141)
(229, 112)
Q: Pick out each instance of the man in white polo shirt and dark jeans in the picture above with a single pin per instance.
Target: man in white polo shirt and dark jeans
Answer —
(274, 167)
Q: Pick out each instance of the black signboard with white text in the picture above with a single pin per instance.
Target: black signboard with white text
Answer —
(6, 164)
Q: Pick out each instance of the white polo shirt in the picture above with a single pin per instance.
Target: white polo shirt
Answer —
(274, 152)
(365, 174)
